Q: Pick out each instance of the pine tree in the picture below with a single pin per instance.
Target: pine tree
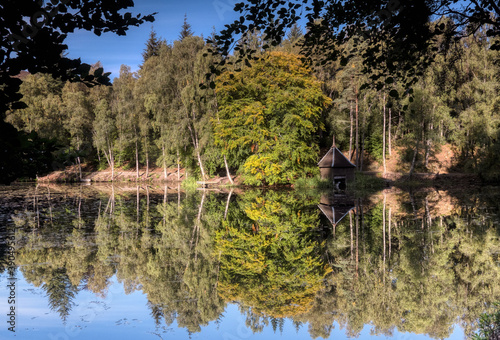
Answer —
(186, 30)
(153, 46)
(295, 34)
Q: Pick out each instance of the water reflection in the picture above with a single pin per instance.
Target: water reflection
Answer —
(415, 262)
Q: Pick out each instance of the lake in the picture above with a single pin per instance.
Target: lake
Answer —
(151, 262)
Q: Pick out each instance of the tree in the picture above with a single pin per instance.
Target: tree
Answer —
(104, 132)
(199, 107)
(79, 119)
(43, 111)
(60, 292)
(156, 87)
(186, 30)
(153, 46)
(191, 102)
(268, 118)
(127, 111)
(293, 40)
(476, 101)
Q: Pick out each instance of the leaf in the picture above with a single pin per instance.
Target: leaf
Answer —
(394, 94)
(84, 69)
(99, 72)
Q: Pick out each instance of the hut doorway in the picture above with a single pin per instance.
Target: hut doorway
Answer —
(340, 183)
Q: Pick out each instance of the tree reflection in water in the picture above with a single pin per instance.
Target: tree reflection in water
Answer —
(416, 262)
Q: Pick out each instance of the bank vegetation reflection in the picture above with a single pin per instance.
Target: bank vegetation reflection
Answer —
(416, 262)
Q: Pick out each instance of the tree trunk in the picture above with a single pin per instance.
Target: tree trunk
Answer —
(413, 161)
(227, 170)
(351, 132)
(111, 157)
(165, 197)
(196, 144)
(79, 167)
(136, 160)
(390, 139)
(362, 152)
(383, 139)
(352, 246)
(178, 167)
(383, 227)
(357, 131)
(389, 236)
(138, 203)
(357, 249)
(227, 203)
(200, 163)
(147, 159)
(107, 157)
(164, 162)
(427, 152)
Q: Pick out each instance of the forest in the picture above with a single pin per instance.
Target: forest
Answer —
(269, 120)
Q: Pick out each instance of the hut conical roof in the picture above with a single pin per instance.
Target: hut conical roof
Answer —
(335, 159)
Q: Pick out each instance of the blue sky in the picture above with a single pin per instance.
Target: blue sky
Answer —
(113, 50)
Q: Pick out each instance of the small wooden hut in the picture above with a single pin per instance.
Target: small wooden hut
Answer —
(336, 167)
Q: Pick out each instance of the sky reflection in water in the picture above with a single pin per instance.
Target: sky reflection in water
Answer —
(126, 316)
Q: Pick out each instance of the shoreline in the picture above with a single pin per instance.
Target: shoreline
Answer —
(157, 176)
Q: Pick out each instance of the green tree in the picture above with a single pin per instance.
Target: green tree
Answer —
(104, 132)
(128, 112)
(43, 112)
(477, 102)
(268, 118)
(157, 88)
(80, 118)
(60, 292)
(192, 103)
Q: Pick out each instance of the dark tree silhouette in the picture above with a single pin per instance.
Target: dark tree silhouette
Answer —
(186, 30)
(396, 34)
(153, 46)
(33, 34)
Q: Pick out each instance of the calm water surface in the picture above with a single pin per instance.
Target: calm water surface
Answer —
(108, 262)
